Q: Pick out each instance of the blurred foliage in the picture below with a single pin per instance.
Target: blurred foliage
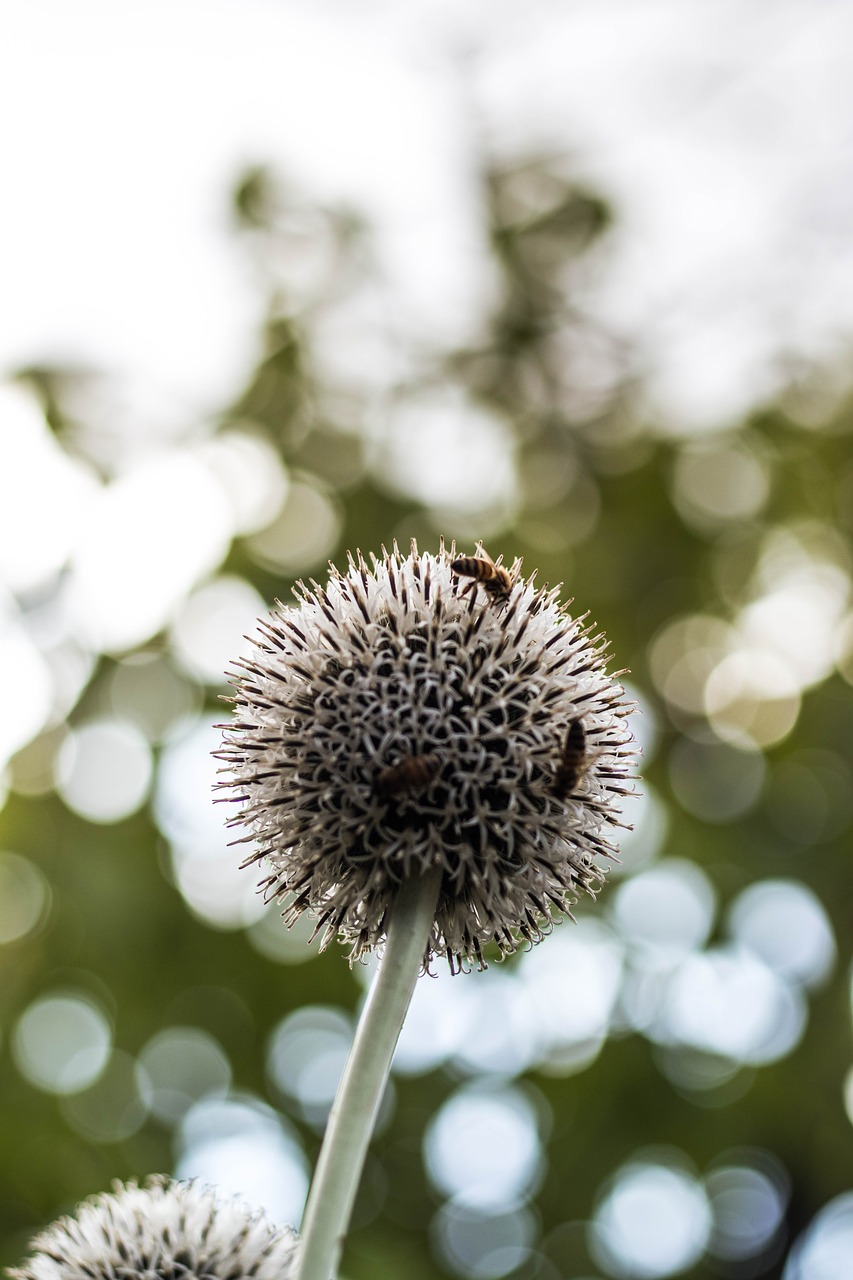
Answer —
(597, 506)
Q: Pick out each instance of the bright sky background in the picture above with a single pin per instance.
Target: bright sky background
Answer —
(721, 131)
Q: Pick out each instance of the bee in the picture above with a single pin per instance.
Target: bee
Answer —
(571, 767)
(492, 577)
(410, 774)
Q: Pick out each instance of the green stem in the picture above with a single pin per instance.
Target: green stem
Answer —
(353, 1114)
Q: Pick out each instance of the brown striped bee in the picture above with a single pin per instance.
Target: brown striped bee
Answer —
(571, 767)
(492, 577)
(411, 774)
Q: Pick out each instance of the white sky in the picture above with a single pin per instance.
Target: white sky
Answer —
(721, 130)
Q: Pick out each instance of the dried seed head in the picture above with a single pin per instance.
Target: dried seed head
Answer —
(396, 720)
(161, 1231)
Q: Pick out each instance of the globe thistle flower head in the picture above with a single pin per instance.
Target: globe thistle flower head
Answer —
(427, 712)
(162, 1231)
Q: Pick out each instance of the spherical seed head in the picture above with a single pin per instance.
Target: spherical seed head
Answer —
(405, 665)
(161, 1231)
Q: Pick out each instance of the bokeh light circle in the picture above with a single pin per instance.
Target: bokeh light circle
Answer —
(426, 432)
(653, 1220)
(271, 937)
(213, 885)
(44, 493)
(719, 480)
(244, 1148)
(848, 1094)
(481, 1245)
(28, 699)
(752, 698)
(784, 923)
(24, 896)
(713, 781)
(667, 910)
(305, 1057)
(61, 1043)
(177, 1068)
(104, 770)
(748, 1206)
(130, 571)
(570, 990)
(499, 1036)
(303, 534)
(683, 654)
(437, 1024)
(147, 690)
(825, 1249)
(726, 1001)
(251, 472)
(649, 828)
(185, 780)
(111, 1109)
(208, 621)
(483, 1148)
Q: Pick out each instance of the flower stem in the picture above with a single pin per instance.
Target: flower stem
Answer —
(353, 1114)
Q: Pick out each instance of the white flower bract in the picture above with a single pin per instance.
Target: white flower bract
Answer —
(162, 1231)
(403, 717)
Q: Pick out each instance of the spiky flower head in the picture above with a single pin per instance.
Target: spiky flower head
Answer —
(162, 1231)
(421, 712)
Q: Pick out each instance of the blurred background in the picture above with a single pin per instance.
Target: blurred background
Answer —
(280, 279)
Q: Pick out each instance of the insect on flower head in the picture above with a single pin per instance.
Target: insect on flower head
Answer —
(408, 715)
